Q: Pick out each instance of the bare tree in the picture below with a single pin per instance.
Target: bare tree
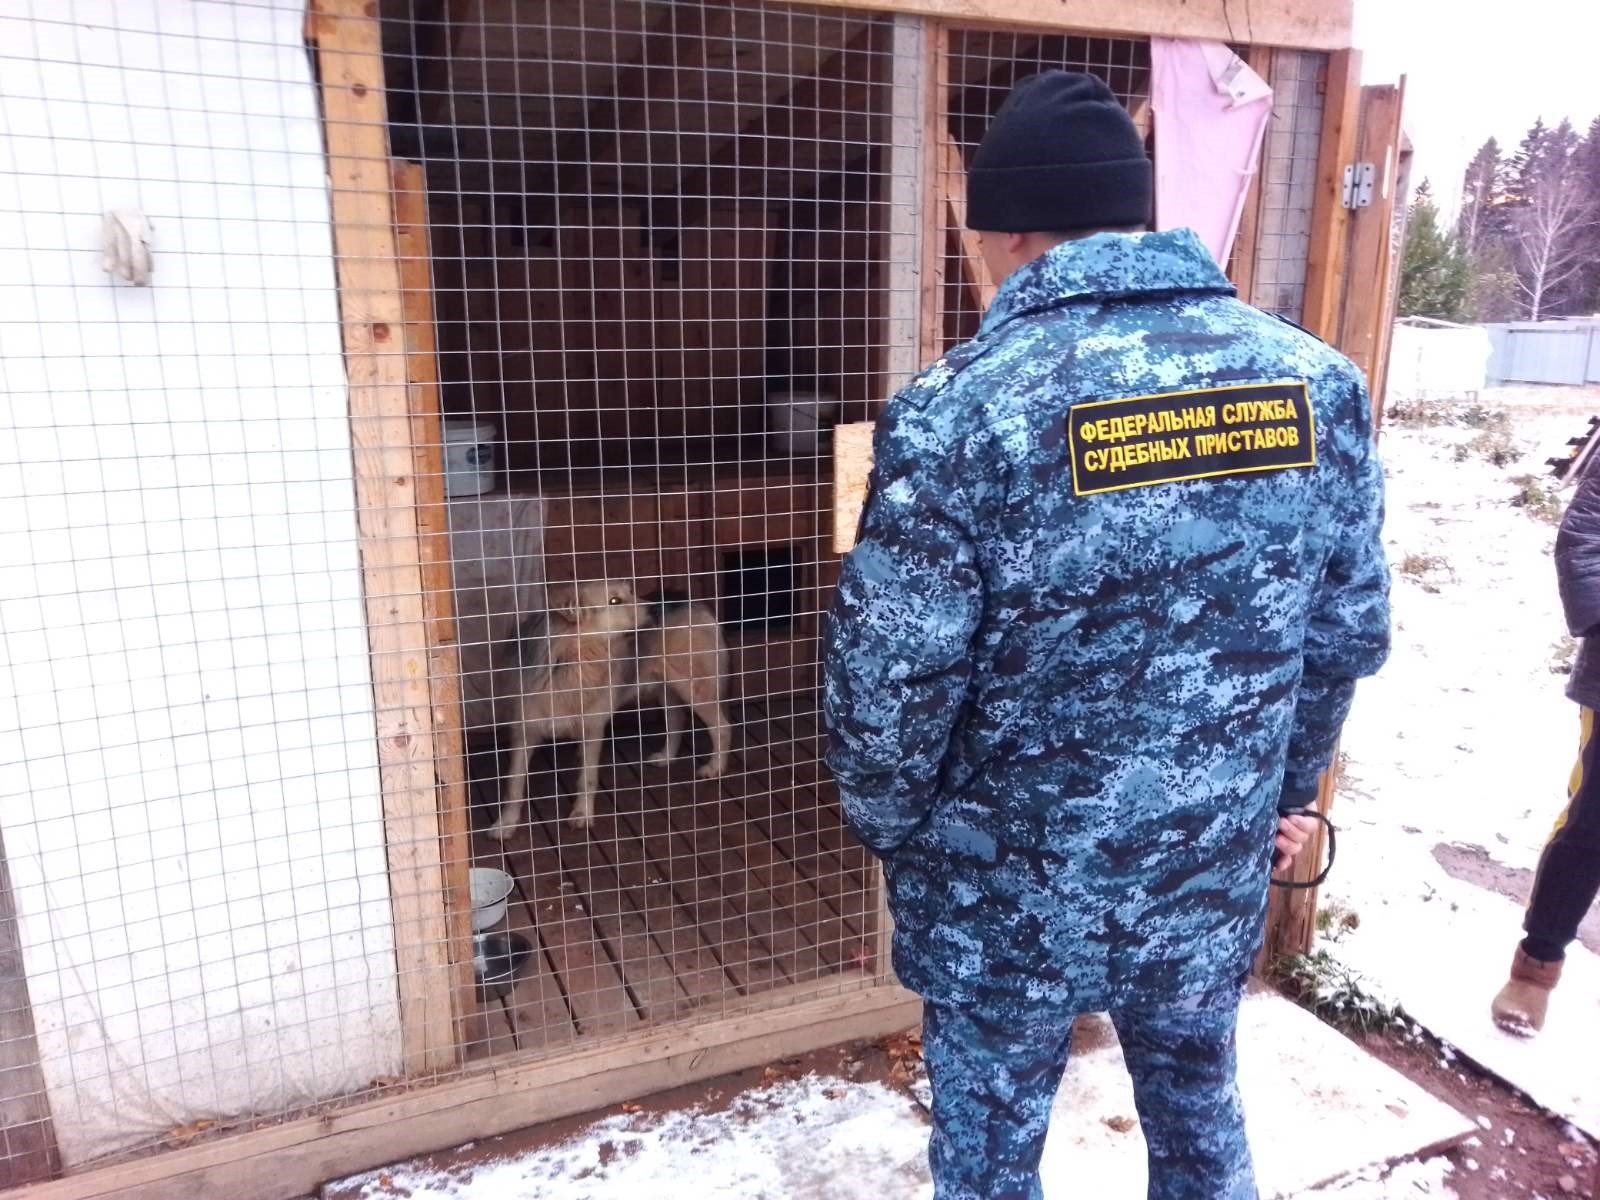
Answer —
(1546, 226)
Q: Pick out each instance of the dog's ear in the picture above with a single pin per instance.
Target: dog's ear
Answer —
(562, 601)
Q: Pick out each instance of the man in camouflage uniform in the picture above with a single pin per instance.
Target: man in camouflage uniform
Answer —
(1117, 576)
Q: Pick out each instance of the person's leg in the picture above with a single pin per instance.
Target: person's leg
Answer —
(1568, 878)
(1182, 1059)
(992, 1091)
(1564, 886)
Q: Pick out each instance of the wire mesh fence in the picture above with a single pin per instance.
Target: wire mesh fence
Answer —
(413, 596)
(979, 69)
(1289, 181)
(515, 746)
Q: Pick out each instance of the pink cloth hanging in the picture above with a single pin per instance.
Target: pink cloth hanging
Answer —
(1211, 112)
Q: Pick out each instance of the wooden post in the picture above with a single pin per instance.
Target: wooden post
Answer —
(904, 248)
(974, 270)
(1397, 241)
(935, 133)
(1330, 219)
(1368, 299)
(438, 596)
(349, 57)
(27, 1138)
(1292, 913)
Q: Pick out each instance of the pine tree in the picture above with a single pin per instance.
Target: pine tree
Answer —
(1586, 161)
(1551, 214)
(1482, 189)
(1435, 274)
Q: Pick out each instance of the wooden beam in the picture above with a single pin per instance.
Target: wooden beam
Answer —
(293, 1159)
(1245, 244)
(1297, 24)
(351, 71)
(852, 464)
(821, 111)
(438, 596)
(674, 40)
(1330, 219)
(1367, 309)
(724, 79)
(974, 270)
(904, 186)
(1396, 179)
(1292, 913)
(935, 210)
(1397, 241)
(27, 1137)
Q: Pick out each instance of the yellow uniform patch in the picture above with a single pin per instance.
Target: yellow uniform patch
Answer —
(1139, 441)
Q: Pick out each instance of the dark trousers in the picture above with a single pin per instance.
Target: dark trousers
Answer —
(993, 1087)
(1568, 878)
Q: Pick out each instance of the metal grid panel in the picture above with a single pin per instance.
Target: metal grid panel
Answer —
(637, 227)
(982, 66)
(1289, 181)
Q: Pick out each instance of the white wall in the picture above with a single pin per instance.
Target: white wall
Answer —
(188, 774)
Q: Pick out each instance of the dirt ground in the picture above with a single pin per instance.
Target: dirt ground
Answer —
(1521, 1151)
(888, 1060)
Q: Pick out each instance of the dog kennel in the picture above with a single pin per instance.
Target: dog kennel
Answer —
(456, 301)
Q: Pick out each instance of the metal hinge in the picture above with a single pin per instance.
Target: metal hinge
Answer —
(1359, 179)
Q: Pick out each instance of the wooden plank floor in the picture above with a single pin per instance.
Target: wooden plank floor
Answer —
(687, 894)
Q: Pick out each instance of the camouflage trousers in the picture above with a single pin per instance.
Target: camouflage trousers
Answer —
(993, 1086)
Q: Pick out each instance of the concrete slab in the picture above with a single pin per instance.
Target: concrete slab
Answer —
(1318, 1107)
(1560, 1069)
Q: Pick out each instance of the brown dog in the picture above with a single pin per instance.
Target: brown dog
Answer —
(683, 665)
(572, 668)
(597, 649)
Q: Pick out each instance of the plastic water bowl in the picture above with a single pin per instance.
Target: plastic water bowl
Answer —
(490, 891)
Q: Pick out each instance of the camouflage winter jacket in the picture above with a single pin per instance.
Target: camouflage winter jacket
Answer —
(1117, 576)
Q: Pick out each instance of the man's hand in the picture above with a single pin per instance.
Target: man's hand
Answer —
(1293, 834)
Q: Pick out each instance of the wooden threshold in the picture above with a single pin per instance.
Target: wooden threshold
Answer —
(294, 1158)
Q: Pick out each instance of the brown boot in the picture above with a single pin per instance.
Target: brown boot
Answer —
(1521, 1004)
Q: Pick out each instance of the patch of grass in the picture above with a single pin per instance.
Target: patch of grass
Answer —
(1334, 993)
(1480, 416)
(1495, 445)
(1417, 565)
(1424, 414)
(1563, 655)
(1417, 413)
(1334, 920)
(1539, 496)
(1429, 570)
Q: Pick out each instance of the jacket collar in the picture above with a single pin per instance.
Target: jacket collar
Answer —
(1106, 266)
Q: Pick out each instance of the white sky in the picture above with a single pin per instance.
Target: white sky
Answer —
(1481, 68)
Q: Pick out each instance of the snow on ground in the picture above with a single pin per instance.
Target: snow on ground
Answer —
(823, 1138)
(1296, 1075)
(1457, 754)
(1463, 742)
(816, 1138)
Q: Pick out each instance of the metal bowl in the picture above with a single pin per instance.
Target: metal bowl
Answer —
(491, 892)
(497, 959)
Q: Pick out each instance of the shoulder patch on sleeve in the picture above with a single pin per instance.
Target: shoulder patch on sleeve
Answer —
(934, 379)
(1296, 325)
(1208, 433)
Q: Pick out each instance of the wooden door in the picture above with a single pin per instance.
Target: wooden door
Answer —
(1367, 310)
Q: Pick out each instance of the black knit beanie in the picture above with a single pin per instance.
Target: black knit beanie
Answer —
(1061, 155)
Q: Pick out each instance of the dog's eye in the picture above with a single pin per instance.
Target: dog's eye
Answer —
(616, 599)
